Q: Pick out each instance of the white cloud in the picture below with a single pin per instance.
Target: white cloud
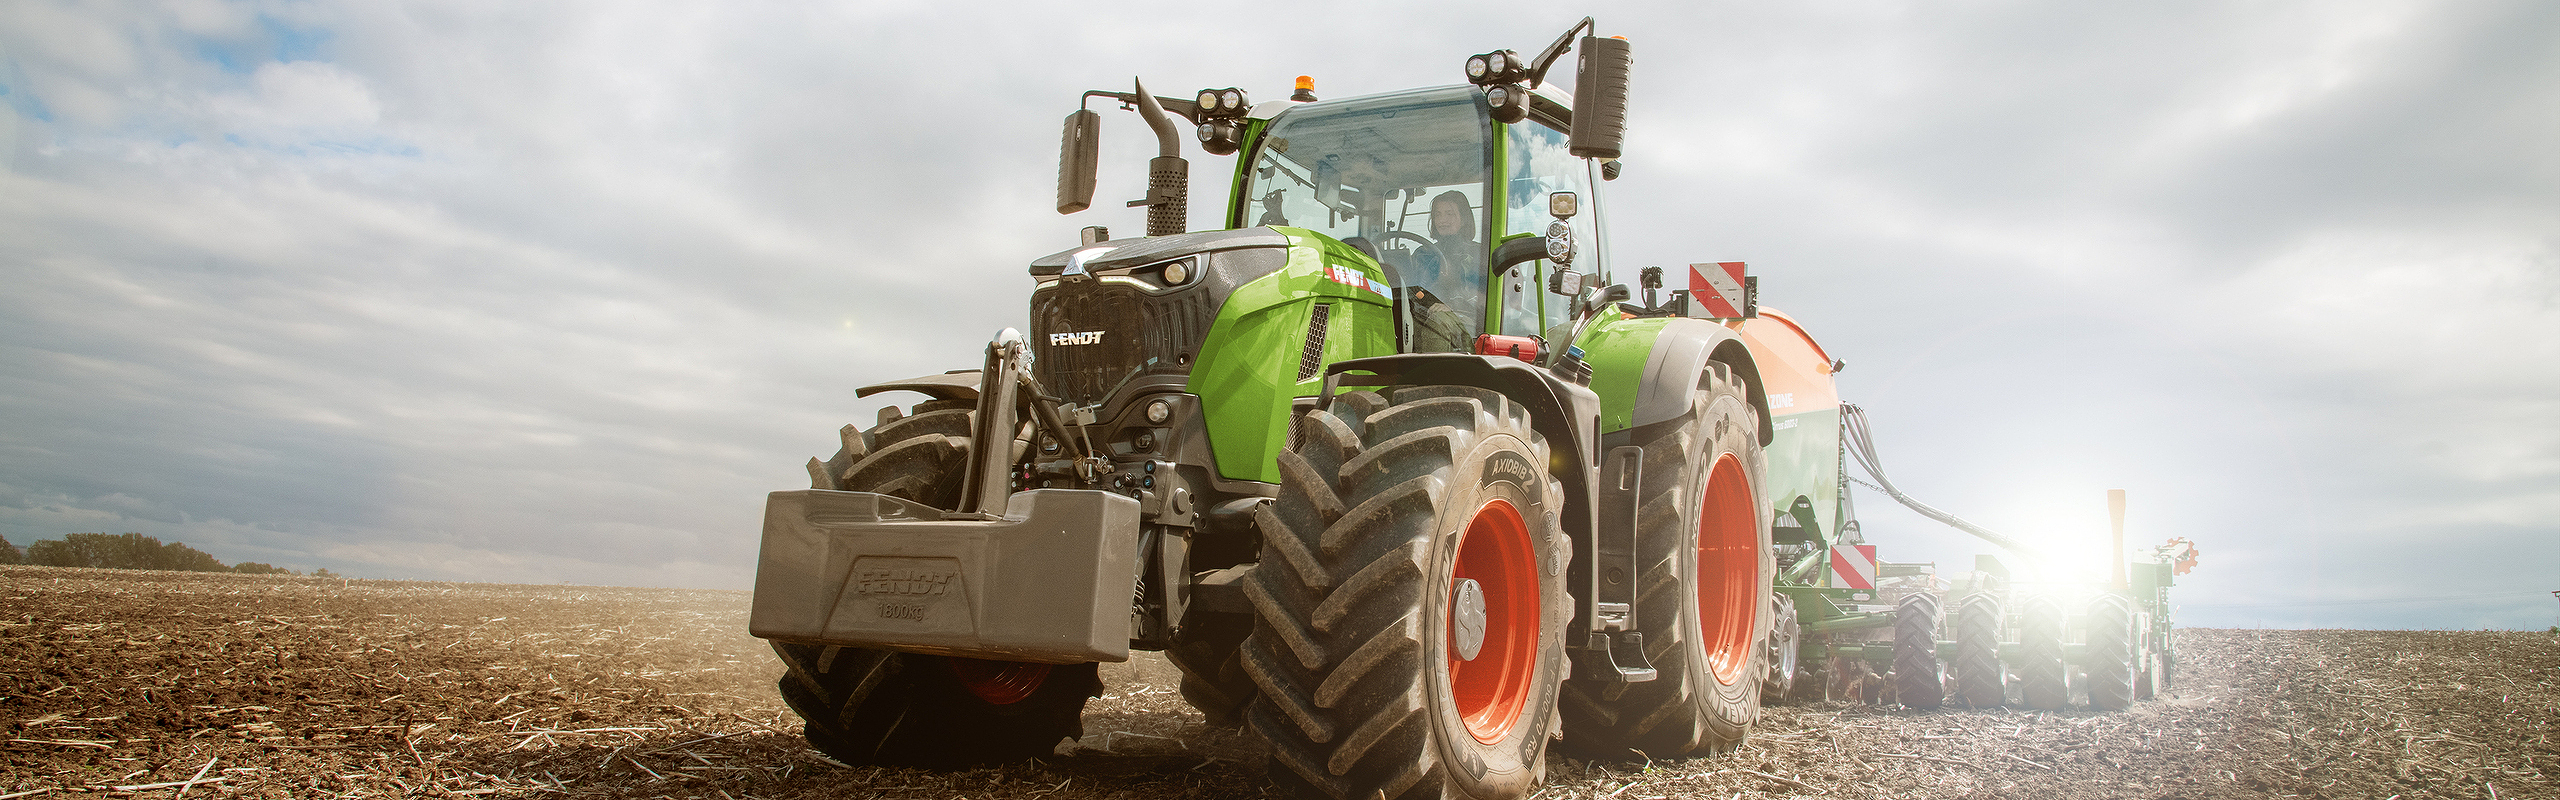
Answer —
(288, 103)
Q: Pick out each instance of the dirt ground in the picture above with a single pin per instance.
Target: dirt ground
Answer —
(155, 683)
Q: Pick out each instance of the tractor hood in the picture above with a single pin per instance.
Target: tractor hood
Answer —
(1120, 254)
(1134, 313)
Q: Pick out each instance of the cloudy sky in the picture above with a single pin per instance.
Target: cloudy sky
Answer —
(557, 291)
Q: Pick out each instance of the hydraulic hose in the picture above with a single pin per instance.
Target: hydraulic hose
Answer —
(1861, 446)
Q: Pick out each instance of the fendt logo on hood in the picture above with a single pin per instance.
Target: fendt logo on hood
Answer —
(1078, 337)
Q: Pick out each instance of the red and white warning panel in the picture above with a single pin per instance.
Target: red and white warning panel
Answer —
(1853, 566)
(1721, 290)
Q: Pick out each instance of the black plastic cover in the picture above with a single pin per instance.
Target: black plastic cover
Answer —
(1600, 98)
(1079, 156)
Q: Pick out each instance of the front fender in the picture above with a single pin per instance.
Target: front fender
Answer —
(961, 385)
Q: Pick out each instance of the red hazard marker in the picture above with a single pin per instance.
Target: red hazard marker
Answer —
(1718, 288)
(1853, 566)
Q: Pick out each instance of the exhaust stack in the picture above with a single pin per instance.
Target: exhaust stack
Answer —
(1168, 175)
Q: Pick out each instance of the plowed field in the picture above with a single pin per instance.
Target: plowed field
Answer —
(153, 683)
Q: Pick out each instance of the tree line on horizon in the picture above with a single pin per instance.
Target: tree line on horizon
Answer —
(129, 551)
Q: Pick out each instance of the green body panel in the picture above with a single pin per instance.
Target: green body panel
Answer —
(2148, 578)
(1249, 364)
(1236, 201)
(1616, 349)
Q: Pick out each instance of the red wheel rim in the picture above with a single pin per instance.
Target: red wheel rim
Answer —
(998, 682)
(1728, 570)
(1491, 690)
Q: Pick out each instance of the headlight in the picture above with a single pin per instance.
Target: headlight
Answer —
(1177, 273)
(1477, 68)
(1158, 411)
(1234, 99)
(1208, 100)
(1508, 102)
(1221, 136)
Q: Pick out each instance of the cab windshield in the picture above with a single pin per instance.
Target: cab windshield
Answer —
(1403, 176)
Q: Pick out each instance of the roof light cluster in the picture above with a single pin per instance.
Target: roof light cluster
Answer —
(1222, 119)
(1500, 73)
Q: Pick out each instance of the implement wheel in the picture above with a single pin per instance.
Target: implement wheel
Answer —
(868, 706)
(2044, 682)
(1410, 601)
(1919, 679)
(1786, 634)
(1979, 678)
(2112, 652)
(1705, 564)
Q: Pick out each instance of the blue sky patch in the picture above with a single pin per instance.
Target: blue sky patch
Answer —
(275, 41)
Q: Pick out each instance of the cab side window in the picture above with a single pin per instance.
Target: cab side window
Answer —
(1538, 165)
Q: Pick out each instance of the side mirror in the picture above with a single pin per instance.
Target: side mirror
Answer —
(1600, 98)
(1616, 293)
(1079, 155)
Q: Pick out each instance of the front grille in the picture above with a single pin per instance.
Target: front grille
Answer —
(1139, 335)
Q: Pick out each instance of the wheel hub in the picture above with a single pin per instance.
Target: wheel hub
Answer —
(1470, 619)
(1728, 570)
(1492, 622)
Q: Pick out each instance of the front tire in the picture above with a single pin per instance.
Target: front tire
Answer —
(868, 706)
(1705, 562)
(1410, 601)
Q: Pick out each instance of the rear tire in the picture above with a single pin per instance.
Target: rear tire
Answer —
(869, 706)
(1705, 565)
(1387, 514)
(2043, 680)
(1979, 676)
(1919, 679)
(2111, 652)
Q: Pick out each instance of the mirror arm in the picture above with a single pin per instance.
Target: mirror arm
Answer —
(1185, 109)
(1591, 303)
(1563, 45)
(1518, 251)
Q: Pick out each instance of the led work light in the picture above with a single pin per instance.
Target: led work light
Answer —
(1222, 119)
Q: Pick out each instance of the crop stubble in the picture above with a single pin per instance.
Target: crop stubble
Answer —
(156, 683)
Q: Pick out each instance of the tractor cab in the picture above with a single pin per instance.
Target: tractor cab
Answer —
(1426, 182)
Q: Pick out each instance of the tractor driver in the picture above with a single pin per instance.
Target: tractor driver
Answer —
(1451, 270)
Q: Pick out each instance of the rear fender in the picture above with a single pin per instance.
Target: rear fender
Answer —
(1652, 367)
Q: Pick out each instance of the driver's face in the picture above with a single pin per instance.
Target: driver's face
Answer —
(1444, 220)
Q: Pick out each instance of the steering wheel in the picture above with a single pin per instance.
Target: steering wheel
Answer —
(1416, 237)
(1436, 249)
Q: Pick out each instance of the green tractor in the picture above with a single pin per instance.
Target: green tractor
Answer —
(1383, 465)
